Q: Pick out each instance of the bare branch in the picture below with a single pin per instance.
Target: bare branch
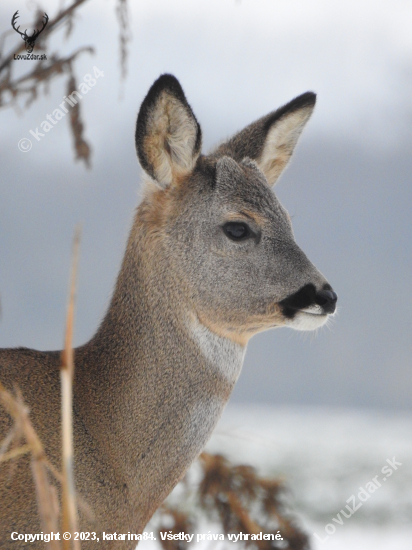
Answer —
(81, 146)
(28, 86)
(124, 36)
(50, 27)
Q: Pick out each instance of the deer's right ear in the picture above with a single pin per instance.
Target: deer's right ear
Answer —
(270, 141)
(168, 136)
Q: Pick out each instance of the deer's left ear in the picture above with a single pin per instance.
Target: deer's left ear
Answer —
(270, 141)
(168, 136)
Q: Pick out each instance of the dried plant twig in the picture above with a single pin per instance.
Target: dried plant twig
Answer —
(81, 146)
(69, 506)
(237, 499)
(45, 492)
(15, 453)
(40, 75)
(122, 13)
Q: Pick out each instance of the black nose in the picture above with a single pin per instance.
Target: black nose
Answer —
(327, 299)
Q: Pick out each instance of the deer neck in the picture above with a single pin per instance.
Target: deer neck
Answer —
(149, 309)
(157, 377)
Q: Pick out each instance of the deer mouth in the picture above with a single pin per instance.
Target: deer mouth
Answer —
(309, 301)
(313, 310)
(307, 321)
(308, 309)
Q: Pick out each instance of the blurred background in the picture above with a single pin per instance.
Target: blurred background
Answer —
(323, 410)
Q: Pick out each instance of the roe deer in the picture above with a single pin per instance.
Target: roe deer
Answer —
(211, 260)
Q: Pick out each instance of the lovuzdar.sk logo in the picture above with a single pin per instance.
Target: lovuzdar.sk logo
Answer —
(29, 40)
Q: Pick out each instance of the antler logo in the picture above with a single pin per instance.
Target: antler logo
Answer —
(30, 40)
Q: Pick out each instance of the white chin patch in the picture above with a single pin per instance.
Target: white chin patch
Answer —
(308, 319)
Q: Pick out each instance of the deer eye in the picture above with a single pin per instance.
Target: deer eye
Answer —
(237, 231)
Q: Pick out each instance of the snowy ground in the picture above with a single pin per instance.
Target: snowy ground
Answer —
(325, 456)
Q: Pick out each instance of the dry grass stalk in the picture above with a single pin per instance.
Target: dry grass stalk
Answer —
(15, 453)
(45, 492)
(10, 437)
(69, 507)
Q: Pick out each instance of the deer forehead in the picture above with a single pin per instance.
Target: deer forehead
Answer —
(235, 192)
(244, 186)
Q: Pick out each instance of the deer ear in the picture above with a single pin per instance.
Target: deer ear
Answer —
(270, 141)
(168, 136)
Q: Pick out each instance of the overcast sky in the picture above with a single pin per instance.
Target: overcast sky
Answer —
(348, 189)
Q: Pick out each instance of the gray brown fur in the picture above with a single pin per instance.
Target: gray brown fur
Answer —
(153, 381)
